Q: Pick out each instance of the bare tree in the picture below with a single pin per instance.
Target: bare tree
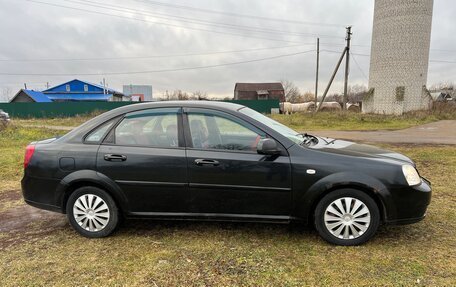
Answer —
(356, 93)
(445, 87)
(7, 93)
(291, 91)
(198, 95)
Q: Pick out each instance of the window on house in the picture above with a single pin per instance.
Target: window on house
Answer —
(86, 88)
(67, 87)
(400, 92)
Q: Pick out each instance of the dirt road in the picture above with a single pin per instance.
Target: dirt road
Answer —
(441, 132)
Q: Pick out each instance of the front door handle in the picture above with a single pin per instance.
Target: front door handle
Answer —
(202, 162)
(115, 157)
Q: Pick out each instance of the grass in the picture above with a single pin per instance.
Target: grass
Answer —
(150, 253)
(13, 141)
(356, 121)
(58, 121)
(306, 121)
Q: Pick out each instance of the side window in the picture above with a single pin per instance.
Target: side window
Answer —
(148, 128)
(216, 132)
(98, 134)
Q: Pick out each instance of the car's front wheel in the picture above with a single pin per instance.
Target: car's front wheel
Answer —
(92, 212)
(347, 217)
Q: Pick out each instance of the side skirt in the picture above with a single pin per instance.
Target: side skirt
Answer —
(211, 217)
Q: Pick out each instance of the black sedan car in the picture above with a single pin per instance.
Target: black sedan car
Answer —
(219, 161)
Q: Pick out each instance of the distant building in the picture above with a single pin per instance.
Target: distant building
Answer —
(138, 93)
(401, 38)
(259, 91)
(72, 91)
(441, 96)
(30, 96)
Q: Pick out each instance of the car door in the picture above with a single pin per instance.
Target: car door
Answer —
(227, 177)
(145, 155)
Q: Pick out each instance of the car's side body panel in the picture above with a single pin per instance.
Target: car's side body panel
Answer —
(245, 183)
(152, 179)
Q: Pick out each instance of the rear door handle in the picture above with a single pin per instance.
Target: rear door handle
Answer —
(202, 162)
(115, 157)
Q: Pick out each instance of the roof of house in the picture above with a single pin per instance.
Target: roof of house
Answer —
(38, 97)
(79, 97)
(253, 87)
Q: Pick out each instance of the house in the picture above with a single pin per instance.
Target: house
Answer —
(72, 91)
(30, 96)
(259, 91)
(441, 96)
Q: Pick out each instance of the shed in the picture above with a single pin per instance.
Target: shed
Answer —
(259, 91)
(30, 96)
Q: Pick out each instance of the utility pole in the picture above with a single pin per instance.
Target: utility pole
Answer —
(316, 76)
(347, 66)
(331, 80)
(25, 86)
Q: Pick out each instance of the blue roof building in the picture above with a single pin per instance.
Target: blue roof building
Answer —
(72, 91)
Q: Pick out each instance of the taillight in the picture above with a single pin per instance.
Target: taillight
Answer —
(29, 150)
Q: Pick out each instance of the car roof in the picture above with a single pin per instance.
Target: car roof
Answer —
(189, 104)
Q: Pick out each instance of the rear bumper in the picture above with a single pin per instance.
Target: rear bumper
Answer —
(44, 206)
(411, 203)
(41, 193)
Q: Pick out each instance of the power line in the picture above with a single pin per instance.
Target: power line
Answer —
(149, 57)
(159, 23)
(193, 20)
(431, 61)
(156, 3)
(156, 71)
(359, 67)
(442, 61)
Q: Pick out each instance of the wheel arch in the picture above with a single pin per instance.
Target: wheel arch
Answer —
(306, 204)
(369, 191)
(92, 178)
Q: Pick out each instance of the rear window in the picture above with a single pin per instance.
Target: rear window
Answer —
(98, 134)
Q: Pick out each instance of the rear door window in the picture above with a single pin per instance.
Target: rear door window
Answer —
(152, 128)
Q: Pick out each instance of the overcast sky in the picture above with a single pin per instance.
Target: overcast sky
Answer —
(139, 41)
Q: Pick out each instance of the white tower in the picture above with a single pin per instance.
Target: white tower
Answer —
(399, 56)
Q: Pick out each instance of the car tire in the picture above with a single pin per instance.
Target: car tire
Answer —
(340, 225)
(92, 212)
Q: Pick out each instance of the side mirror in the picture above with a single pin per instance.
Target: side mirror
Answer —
(267, 146)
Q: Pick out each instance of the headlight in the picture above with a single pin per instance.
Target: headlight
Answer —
(411, 175)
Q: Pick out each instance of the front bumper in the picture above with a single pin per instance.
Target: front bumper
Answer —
(411, 203)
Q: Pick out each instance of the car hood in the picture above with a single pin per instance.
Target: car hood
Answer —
(348, 148)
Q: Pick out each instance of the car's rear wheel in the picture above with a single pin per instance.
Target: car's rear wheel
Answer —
(92, 212)
(347, 217)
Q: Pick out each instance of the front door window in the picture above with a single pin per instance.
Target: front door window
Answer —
(215, 132)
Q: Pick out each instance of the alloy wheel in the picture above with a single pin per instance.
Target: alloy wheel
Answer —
(347, 218)
(91, 212)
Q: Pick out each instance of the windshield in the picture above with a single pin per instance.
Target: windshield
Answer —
(278, 127)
